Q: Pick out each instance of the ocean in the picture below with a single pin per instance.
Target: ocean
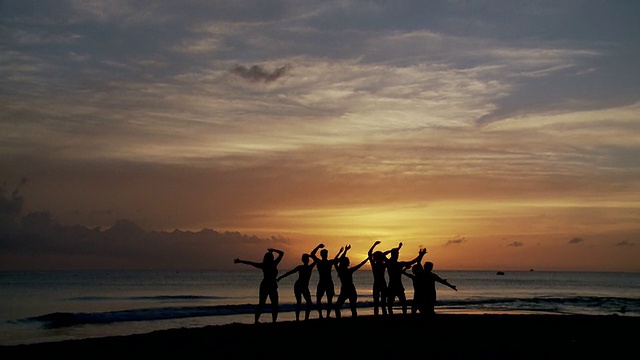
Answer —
(43, 306)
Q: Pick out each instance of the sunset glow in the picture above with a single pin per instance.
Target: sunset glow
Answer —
(495, 137)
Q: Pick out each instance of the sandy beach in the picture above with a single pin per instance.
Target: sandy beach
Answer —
(446, 336)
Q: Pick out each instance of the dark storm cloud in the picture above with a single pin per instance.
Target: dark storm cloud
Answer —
(258, 73)
(516, 244)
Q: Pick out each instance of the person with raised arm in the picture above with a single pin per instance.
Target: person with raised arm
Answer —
(269, 283)
(394, 270)
(378, 261)
(347, 287)
(419, 281)
(325, 280)
(301, 286)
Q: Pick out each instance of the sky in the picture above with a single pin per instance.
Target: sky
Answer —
(498, 135)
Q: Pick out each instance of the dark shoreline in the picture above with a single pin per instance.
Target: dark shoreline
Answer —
(446, 336)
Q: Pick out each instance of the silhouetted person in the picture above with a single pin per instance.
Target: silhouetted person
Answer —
(419, 281)
(347, 288)
(378, 261)
(269, 283)
(394, 270)
(301, 286)
(325, 280)
(431, 279)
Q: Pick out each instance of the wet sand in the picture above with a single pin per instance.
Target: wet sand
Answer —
(446, 336)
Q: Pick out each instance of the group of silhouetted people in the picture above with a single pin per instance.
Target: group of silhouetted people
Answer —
(383, 264)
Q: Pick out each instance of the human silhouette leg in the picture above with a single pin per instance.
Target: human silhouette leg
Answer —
(390, 301)
(319, 303)
(402, 299)
(337, 311)
(383, 301)
(329, 305)
(298, 305)
(307, 310)
(261, 303)
(353, 304)
(376, 301)
(274, 306)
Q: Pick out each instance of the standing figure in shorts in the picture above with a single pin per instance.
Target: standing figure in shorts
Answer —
(301, 286)
(348, 288)
(378, 261)
(325, 279)
(269, 283)
(394, 270)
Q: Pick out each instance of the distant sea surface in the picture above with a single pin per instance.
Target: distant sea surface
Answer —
(43, 306)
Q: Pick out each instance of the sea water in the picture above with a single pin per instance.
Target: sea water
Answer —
(43, 306)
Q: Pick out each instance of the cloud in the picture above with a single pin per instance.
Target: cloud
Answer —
(259, 74)
(124, 245)
(299, 105)
(516, 244)
(625, 243)
(38, 241)
(576, 240)
(457, 241)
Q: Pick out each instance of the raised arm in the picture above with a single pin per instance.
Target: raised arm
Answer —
(346, 248)
(279, 254)
(415, 260)
(386, 252)
(312, 262)
(370, 253)
(315, 251)
(356, 267)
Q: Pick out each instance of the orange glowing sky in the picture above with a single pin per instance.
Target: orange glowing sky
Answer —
(183, 135)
